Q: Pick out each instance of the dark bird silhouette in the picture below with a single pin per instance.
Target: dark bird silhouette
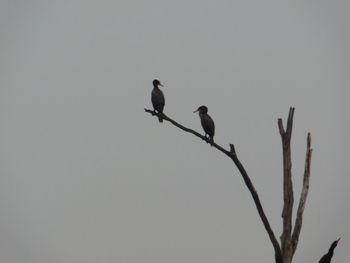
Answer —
(157, 98)
(207, 122)
(328, 257)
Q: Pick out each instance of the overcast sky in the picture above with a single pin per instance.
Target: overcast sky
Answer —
(87, 176)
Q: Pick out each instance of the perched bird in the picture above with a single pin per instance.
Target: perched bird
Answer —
(327, 257)
(207, 122)
(157, 98)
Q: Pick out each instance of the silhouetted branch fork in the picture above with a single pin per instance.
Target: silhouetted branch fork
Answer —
(287, 135)
(303, 195)
(233, 156)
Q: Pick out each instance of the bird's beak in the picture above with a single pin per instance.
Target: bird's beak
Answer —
(195, 111)
(338, 240)
(160, 84)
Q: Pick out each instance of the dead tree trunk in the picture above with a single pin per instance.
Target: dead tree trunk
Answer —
(288, 198)
(289, 240)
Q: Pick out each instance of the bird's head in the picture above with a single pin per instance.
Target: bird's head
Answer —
(157, 83)
(202, 110)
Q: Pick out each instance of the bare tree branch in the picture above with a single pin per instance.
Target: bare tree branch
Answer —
(233, 156)
(289, 240)
(287, 187)
(303, 195)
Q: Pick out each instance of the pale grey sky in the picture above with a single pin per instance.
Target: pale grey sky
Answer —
(87, 176)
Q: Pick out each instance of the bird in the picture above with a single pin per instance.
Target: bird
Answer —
(328, 257)
(157, 98)
(207, 123)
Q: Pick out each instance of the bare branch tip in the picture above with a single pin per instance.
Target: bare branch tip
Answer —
(309, 140)
(290, 121)
(280, 126)
(150, 111)
(291, 112)
(232, 149)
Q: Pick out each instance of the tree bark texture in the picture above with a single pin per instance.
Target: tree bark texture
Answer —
(288, 197)
(289, 240)
(303, 195)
